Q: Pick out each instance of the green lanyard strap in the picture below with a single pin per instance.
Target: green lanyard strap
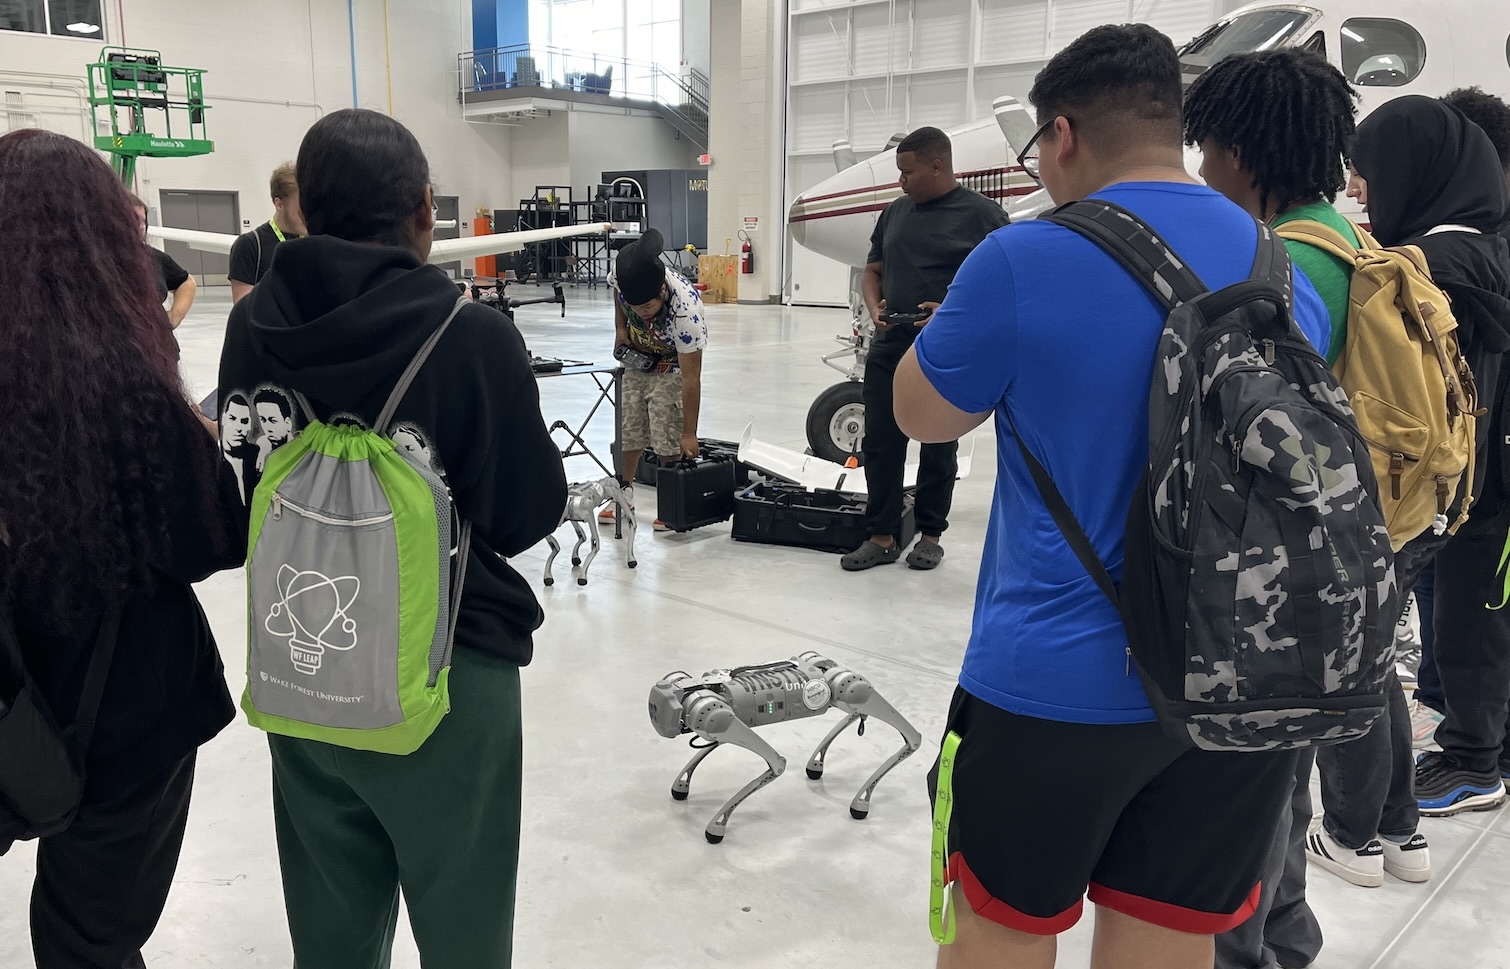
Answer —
(1504, 559)
(276, 231)
(940, 912)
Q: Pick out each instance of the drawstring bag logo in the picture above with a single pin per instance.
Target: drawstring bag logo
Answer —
(313, 615)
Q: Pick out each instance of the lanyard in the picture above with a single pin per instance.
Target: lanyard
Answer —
(276, 231)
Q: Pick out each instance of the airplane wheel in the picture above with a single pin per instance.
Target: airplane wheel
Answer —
(836, 423)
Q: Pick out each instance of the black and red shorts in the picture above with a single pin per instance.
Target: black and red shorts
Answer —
(1047, 813)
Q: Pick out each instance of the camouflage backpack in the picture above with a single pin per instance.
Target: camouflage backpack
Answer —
(1258, 589)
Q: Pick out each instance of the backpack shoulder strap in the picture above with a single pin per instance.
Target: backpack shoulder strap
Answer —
(385, 418)
(1064, 517)
(1133, 244)
(1320, 235)
(82, 730)
(1271, 263)
(1415, 257)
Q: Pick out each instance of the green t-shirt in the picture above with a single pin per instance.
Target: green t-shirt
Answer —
(1331, 276)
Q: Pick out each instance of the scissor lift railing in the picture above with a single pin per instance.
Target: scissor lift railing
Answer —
(129, 86)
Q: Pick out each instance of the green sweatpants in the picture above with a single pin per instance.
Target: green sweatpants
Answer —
(441, 823)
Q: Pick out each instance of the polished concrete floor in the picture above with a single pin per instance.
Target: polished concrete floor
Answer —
(614, 874)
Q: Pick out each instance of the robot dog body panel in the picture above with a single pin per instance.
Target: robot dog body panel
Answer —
(725, 707)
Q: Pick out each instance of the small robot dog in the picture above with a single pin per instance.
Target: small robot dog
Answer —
(583, 500)
(724, 707)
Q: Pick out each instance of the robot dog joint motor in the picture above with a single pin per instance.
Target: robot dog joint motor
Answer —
(725, 706)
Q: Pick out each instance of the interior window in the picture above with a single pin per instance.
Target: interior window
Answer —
(1381, 53)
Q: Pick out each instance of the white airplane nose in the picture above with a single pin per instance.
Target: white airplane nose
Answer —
(797, 225)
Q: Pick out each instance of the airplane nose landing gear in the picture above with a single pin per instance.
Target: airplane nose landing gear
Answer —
(836, 421)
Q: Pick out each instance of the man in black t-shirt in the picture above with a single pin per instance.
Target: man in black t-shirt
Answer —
(918, 244)
(171, 277)
(252, 255)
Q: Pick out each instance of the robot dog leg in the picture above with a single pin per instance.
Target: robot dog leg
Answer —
(724, 706)
(853, 694)
(711, 718)
(550, 559)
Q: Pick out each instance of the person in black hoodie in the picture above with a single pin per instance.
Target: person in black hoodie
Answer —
(1493, 115)
(338, 318)
(1456, 219)
(1430, 178)
(112, 502)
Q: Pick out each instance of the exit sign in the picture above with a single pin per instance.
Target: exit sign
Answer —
(704, 159)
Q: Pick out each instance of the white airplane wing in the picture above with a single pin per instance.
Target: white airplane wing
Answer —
(194, 239)
(446, 250)
(814, 473)
(443, 250)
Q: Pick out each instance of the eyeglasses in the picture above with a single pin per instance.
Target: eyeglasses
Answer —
(1029, 160)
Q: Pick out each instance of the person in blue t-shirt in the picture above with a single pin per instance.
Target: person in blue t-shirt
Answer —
(1063, 784)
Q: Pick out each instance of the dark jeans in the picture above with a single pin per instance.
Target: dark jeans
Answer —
(101, 884)
(885, 452)
(1472, 647)
(1428, 681)
(1283, 930)
(1368, 784)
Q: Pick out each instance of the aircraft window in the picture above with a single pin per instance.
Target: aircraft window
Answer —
(1317, 43)
(1259, 30)
(1381, 53)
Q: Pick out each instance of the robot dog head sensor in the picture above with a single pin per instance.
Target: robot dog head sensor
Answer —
(816, 694)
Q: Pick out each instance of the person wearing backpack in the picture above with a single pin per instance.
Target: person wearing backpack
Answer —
(396, 761)
(1429, 706)
(1431, 179)
(1057, 778)
(113, 502)
(1273, 128)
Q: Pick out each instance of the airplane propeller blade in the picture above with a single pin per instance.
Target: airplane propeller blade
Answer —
(844, 155)
(1016, 124)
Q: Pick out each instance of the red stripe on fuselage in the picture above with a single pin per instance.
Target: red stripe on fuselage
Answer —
(995, 193)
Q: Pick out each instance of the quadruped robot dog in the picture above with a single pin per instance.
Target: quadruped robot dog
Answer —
(583, 499)
(724, 706)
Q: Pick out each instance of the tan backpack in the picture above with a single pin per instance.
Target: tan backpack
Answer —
(1409, 386)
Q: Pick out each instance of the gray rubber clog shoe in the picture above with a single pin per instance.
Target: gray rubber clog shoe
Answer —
(869, 555)
(925, 555)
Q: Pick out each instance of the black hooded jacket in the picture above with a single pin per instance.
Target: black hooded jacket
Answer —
(339, 321)
(1428, 166)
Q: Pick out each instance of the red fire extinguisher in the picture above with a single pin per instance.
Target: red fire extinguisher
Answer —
(746, 254)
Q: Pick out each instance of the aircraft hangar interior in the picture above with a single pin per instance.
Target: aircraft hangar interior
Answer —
(725, 231)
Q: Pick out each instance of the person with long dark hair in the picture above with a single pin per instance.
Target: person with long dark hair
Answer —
(335, 322)
(112, 501)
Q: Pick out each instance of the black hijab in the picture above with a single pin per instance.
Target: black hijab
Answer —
(1428, 165)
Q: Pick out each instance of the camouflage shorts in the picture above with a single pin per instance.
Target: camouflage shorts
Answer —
(652, 414)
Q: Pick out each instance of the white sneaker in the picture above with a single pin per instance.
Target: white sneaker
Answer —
(1363, 867)
(1410, 862)
(1423, 726)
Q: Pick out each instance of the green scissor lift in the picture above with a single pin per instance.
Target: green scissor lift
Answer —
(127, 83)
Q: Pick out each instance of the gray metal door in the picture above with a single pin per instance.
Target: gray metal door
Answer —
(449, 211)
(207, 212)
